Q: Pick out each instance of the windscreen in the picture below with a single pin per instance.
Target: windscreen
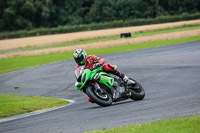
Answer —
(79, 71)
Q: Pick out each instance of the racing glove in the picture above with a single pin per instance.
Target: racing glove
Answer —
(96, 65)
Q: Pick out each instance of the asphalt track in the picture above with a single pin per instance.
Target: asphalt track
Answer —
(170, 76)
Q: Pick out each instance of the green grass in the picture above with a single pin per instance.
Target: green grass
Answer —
(11, 104)
(167, 30)
(11, 64)
(134, 35)
(175, 125)
(117, 37)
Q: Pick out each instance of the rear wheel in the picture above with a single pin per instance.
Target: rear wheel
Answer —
(102, 99)
(137, 91)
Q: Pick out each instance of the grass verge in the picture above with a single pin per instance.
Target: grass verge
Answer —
(175, 125)
(17, 63)
(11, 104)
(134, 35)
(117, 37)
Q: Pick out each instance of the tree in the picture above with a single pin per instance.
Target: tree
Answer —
(130, 9)
(101, 11)
(16, 14)
(28, 14)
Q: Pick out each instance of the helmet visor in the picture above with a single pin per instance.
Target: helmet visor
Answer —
(80, 60)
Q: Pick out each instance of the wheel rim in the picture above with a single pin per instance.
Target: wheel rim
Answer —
(103, 96)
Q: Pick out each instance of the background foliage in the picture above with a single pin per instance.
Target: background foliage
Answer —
(31, 14)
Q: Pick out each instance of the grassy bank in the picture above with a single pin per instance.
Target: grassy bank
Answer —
(11, 104)
(117, 37)
(176, 125)
(134, 35)
(12, 64)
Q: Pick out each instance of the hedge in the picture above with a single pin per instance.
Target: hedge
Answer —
(97, 26)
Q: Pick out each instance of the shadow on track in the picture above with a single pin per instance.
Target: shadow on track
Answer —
(115, 104)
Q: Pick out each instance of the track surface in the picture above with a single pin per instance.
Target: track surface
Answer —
(170, 76)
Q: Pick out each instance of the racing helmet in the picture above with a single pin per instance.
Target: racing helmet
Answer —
(80, 56)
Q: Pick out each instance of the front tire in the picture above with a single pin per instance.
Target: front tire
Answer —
(105, 100)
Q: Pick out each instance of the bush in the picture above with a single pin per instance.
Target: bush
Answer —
(97, 26)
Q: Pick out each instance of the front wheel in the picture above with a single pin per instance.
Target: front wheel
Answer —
(102, 99)
(137, 91)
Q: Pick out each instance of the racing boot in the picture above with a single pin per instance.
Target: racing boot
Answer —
(122, 76)
(125, 78)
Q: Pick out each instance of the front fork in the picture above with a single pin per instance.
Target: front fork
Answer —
(97, 87)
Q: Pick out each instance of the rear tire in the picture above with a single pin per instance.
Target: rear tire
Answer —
(98, 100)
(137, 92)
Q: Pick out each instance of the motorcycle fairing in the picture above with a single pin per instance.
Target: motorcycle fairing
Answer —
(96, 75)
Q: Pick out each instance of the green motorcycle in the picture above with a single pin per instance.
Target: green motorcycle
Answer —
(103, 88)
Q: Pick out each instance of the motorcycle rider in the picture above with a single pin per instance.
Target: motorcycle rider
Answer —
(92, 61)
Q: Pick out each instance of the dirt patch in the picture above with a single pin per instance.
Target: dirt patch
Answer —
(106, 44)
(69, 37)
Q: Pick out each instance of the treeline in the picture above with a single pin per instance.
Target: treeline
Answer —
(31, 14)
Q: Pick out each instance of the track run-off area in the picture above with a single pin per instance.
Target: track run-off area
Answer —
(170, 76)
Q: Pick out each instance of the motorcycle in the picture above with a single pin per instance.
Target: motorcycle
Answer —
(104, 88)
